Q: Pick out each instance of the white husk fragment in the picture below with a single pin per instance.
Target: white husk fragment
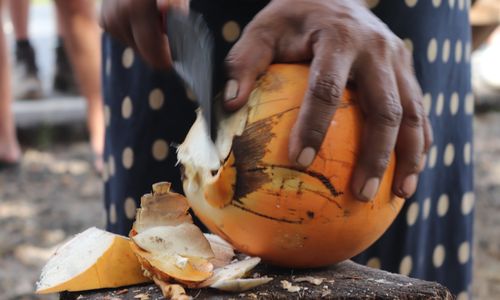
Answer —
(240, 285)
(75, 257)
(230, 125)
(223, 251)
(172, 243)
(198, 148)
(232, 271)
(199, 152)
(159, 209)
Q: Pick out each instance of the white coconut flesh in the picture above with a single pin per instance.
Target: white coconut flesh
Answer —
(184, 240)
(75, 257)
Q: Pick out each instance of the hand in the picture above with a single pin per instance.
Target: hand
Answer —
(340, 38)
(138, 23)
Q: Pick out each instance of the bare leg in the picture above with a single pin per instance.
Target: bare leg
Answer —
(27, 84)
(80, 31)
(9, 147)
(19, 13)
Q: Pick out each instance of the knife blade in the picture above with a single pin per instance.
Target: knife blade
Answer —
(192, 51)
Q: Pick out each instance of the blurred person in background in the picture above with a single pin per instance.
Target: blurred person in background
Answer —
(79, 34)
(10, 152)
(27, 84)
(485, 20)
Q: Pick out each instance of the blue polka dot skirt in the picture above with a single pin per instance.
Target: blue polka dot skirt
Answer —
(149, 112)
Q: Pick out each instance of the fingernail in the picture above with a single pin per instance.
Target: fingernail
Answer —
(371, 188)
(231, 90)
(409, 184)
(306, 157)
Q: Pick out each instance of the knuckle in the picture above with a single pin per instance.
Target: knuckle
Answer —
(313, 136)
(235, 61)
(327, 89)
(239, 57)
(391, 114)
(341, 34)
(430, 141)
(429, 137)
(405, 54)
(380, 45)
(411, 163)
(378, 165)
(414, 117)
(314, 128)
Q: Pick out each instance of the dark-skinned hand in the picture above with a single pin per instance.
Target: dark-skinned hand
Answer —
(341, 40)
(137, 23)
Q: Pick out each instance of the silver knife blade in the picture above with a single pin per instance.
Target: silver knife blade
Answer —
(192, 50)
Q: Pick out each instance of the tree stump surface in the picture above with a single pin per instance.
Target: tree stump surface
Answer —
(346, 280)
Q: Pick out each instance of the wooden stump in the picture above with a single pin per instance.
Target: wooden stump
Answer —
(346, 280)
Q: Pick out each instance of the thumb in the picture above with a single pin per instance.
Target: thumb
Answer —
(248, 59)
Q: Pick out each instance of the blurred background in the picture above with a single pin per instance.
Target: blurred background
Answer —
(56, 189)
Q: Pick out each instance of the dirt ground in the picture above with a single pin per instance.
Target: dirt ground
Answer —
(56, 193)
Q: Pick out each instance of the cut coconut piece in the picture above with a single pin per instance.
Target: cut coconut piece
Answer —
(240, 285)
(167, 267)
(162, 208)
(230, 272)
(93, 259)
(185, 240)
(223, 251)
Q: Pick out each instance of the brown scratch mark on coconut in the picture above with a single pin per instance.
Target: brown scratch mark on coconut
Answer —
(323, 157)
(299, 189)
(299, 221)
(282, 186)
(324, 196)
(322, 178)
(270, 82)
(260, 103)
(325, 181)
(249, 150)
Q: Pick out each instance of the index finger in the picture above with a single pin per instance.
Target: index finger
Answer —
(328, 77)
